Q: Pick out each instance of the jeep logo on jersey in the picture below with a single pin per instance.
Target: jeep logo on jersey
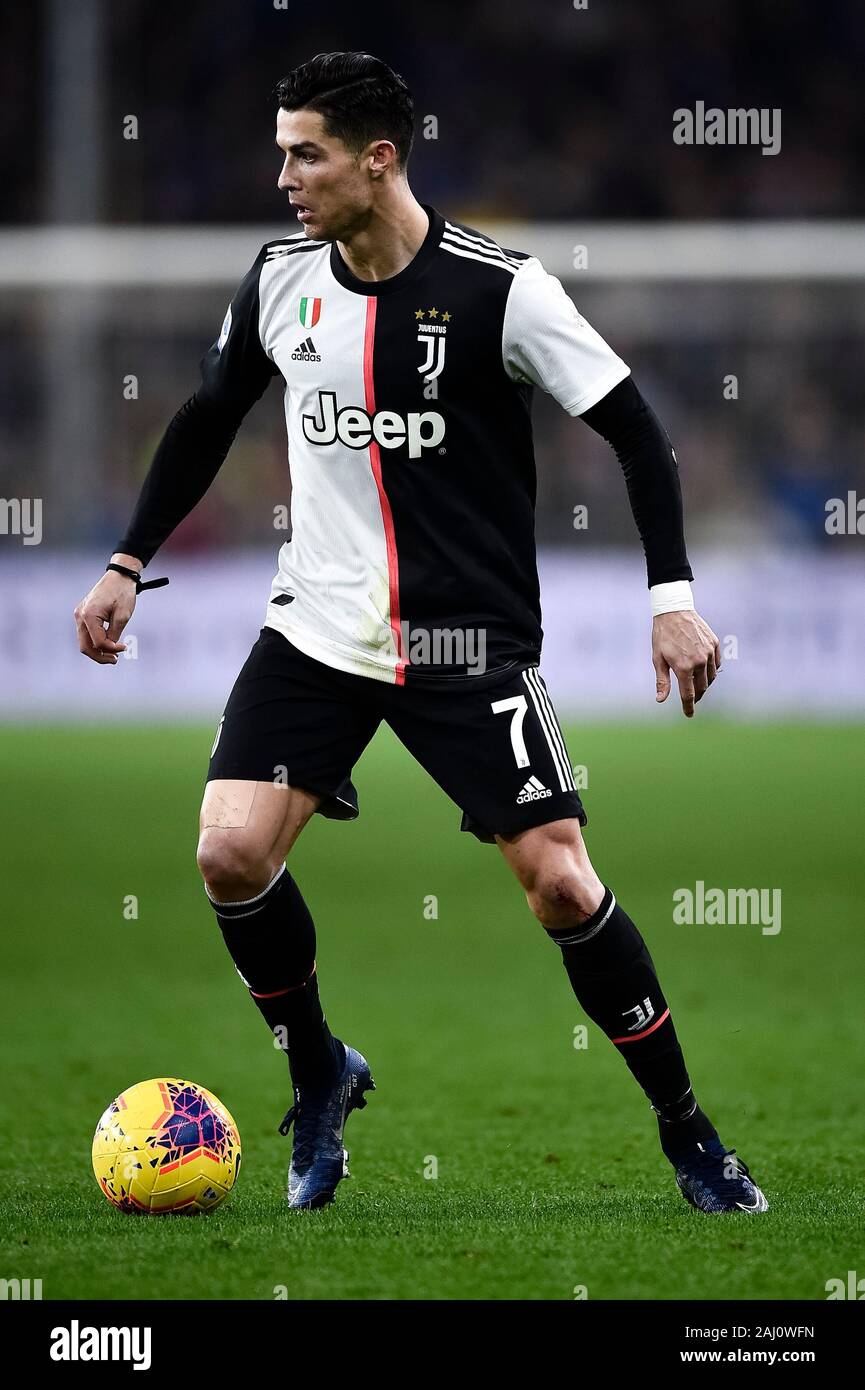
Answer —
(310, 312)
(356, 428)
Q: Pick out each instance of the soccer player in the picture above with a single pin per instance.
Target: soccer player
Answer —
(409, 346)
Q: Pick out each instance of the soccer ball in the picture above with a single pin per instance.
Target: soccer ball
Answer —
(166, 1145)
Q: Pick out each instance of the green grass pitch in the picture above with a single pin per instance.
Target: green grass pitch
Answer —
(549, 1172)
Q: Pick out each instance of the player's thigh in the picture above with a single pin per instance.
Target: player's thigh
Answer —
(249, 827)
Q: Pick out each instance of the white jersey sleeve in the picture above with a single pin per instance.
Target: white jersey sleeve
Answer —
(545, 341)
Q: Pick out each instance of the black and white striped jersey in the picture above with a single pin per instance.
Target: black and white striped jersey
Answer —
(407, 406)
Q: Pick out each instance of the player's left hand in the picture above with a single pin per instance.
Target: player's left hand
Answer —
(687, 646)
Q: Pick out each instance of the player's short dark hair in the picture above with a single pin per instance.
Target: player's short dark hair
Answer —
(360, 98)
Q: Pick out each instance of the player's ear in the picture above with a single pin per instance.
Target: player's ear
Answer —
(383, 156)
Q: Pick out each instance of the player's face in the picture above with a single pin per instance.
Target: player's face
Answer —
(328, 187)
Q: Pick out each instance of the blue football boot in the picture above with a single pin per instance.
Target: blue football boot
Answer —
(318, 1159)
(714, 1179)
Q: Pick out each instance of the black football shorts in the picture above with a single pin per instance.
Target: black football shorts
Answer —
(495, 747)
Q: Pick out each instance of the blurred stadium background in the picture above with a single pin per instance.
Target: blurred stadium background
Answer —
(700, 264)
(117, 258)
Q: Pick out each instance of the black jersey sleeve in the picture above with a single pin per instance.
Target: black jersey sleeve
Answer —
(628, 423)
(235, 372)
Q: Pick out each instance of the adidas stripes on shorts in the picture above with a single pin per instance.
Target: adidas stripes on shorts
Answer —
(492, 743)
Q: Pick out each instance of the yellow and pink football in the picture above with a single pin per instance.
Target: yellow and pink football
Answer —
(165, 1146)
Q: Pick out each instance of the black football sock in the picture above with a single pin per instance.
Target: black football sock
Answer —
(271, 939)
(614, 979)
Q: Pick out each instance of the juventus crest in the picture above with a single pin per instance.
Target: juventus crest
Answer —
(431, 338)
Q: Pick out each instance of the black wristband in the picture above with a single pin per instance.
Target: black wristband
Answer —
(134, 574)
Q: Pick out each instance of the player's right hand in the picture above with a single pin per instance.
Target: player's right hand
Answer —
(111, 601)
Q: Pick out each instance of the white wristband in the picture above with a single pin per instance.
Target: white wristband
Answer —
(675, 597)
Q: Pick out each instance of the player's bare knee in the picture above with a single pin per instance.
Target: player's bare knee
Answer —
(563, 894)
(552, 864)
(232, 864)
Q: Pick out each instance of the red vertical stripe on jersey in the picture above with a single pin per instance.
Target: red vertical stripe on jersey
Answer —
(386, 516)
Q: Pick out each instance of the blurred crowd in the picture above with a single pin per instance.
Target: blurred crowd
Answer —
(544, 110)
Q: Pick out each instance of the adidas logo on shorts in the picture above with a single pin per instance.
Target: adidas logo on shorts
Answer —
(533, 791)
(305, 352)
